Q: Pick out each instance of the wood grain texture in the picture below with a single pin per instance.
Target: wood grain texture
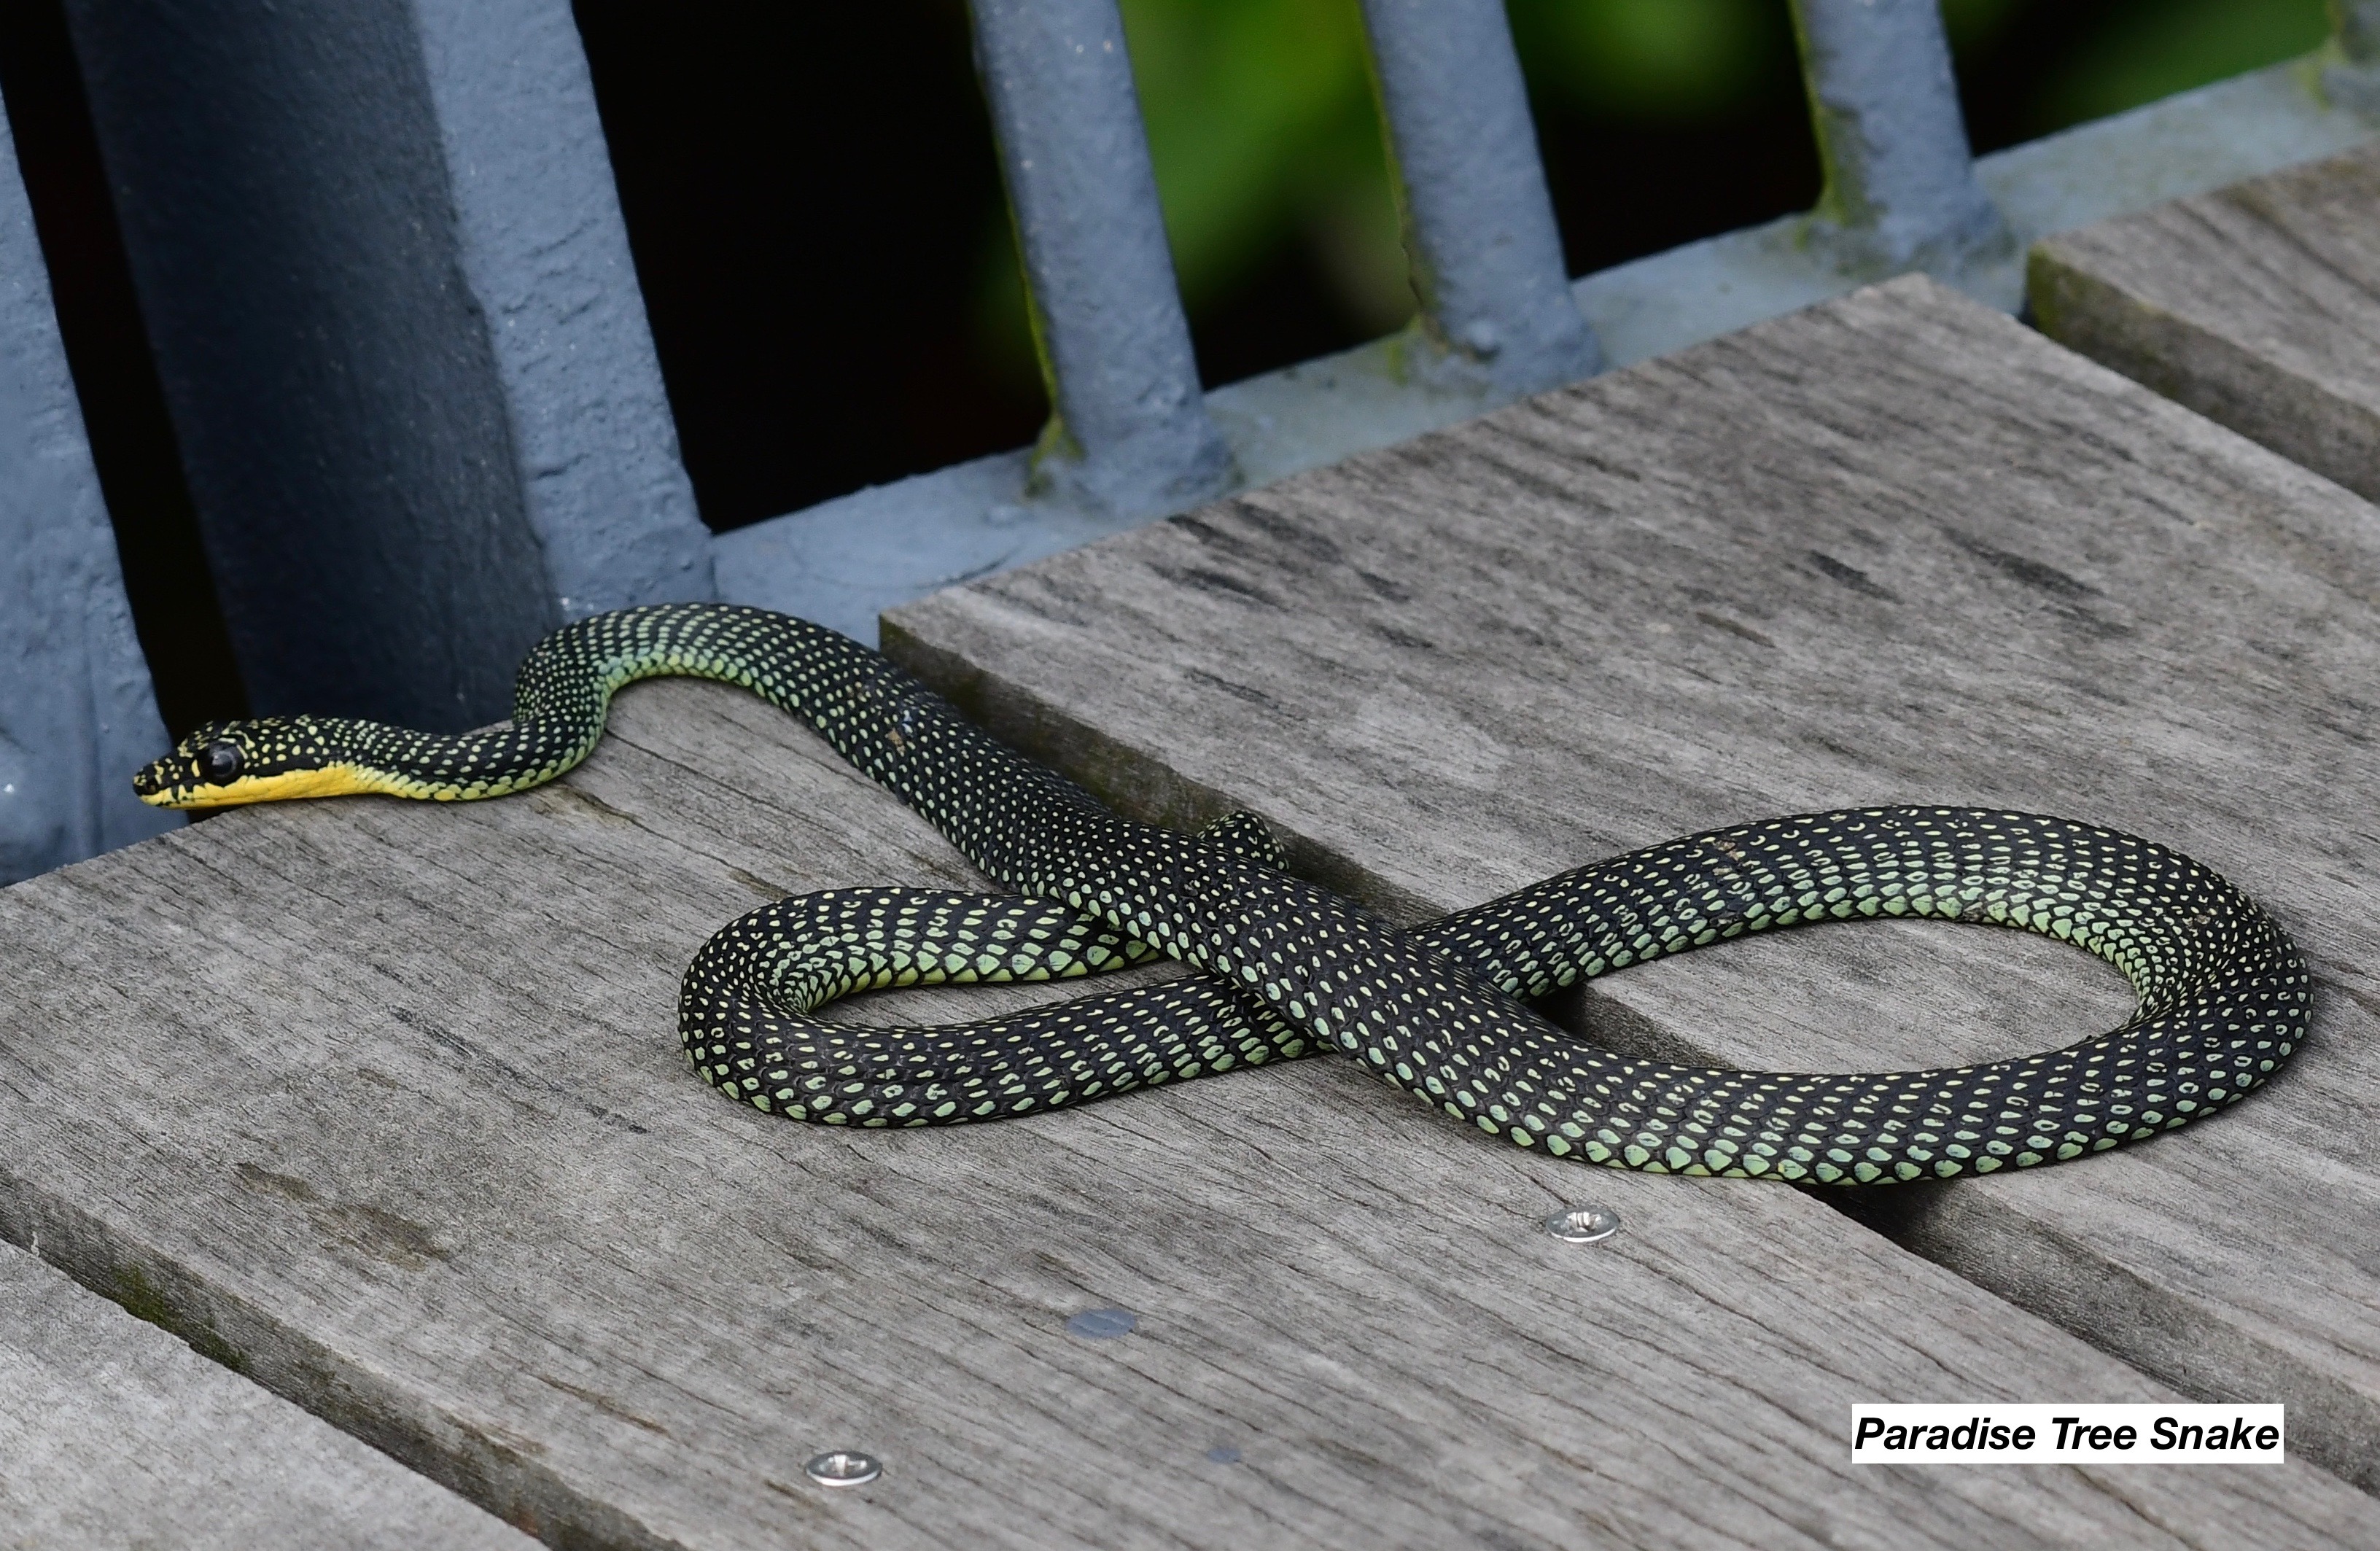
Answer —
(114, 1434)
(1895, 548)
(2257, 305)
(381, 1103)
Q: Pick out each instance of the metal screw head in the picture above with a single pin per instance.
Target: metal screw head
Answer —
(1583, 1225)
(1102, 1325)
(844, 1467)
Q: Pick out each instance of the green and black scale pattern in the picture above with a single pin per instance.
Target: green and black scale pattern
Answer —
(1293, 968)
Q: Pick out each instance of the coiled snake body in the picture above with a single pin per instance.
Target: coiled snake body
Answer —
(1291, 968)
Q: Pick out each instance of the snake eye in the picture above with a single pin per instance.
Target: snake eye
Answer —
(219, 762)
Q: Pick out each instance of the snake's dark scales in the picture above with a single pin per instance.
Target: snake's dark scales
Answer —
(1291, 968)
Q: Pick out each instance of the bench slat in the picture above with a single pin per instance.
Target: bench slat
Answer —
(113, 1432)
(2257, 305)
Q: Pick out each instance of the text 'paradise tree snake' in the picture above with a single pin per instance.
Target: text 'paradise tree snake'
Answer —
(1291, 968)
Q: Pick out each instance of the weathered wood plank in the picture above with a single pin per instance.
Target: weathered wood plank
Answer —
(380, 1101)
(1895, 548)
(2257, 305)
(114, 1434)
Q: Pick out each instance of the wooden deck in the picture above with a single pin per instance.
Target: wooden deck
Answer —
(112, 1433)
(1895, 548)
(380, 1105)
(2258, 305)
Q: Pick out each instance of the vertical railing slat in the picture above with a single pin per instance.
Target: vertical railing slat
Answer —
(2355, 25)
(2351, 80)
(389, 298)
(1479, 223)
(1900, 189)
(542, 246)
(1129, 432)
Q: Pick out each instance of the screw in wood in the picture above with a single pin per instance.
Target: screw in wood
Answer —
(1102, 1325)
(844, 1467)
(1583, 1225)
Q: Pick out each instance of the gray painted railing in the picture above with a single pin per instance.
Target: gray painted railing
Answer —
(2352, 78)
(1487, 262)
(1901, 187)
(1128, 433)
(1902, 192)
(383, 266)
(381, 261)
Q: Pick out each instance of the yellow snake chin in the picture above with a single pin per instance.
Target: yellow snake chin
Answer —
(331, 781)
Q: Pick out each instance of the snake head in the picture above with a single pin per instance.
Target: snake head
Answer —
(224, 763)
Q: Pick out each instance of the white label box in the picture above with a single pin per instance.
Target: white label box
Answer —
(2180, 1432)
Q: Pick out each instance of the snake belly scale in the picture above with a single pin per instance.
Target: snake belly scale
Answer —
(1291, 968)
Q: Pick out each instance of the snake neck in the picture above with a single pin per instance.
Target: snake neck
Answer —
(562, 698)
(370, 757)
(876, 715)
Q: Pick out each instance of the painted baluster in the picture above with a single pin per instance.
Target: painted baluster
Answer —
(382, 268)
(1479, 225)
(1128, 433)
(1900, 191)
(2352, 79)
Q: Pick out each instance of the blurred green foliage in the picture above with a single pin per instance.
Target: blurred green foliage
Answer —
(1657, 59)
(1297, 156)
(1261, 119)
(2169, 47)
